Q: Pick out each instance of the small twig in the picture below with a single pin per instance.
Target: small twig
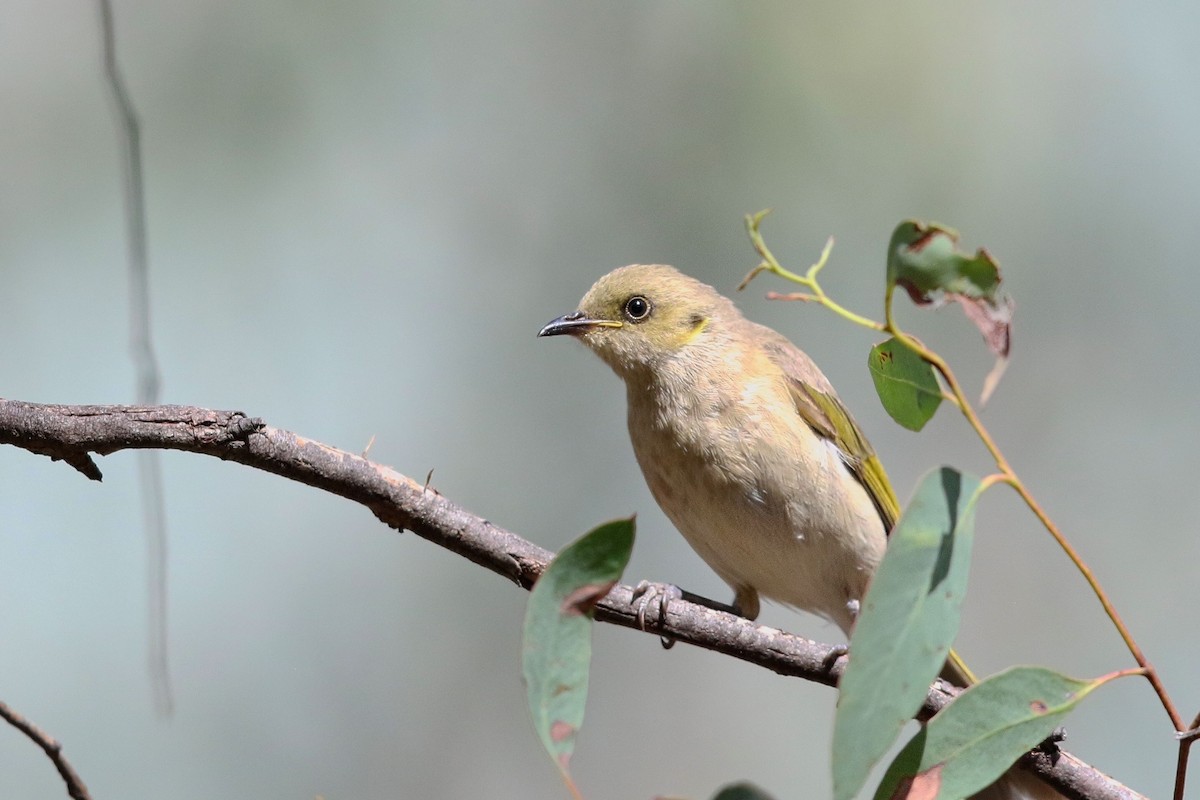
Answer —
(807, 280)
(1186, 739)
(1181, 765)
(802, 297)
(1192, 733)
(51, 747)
(149, 380)
(135, 214)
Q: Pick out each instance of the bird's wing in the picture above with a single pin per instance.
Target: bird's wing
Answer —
(819, 406)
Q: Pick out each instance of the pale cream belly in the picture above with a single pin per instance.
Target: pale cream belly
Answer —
(809, 543)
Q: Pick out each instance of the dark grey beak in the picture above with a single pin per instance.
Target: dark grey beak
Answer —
(573, 324)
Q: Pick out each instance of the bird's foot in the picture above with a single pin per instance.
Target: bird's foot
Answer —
(835, 653)
(1049, 745)
(646, 594)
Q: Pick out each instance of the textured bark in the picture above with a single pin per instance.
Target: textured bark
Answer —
(73, 433)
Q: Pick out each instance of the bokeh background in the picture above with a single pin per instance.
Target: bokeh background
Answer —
(359, 215)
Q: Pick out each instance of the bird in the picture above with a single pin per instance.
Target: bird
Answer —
(748, 450)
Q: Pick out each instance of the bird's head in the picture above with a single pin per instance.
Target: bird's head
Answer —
(639, 316)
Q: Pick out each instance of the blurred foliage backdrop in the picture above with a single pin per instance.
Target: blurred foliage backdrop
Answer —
(359, 215)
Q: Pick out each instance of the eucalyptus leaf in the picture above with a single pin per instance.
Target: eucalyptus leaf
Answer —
(924, 260)
(975, 739)
(905, 382)
(907, 623)
(556, 648)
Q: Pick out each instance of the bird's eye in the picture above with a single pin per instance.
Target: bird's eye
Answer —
(637, 308)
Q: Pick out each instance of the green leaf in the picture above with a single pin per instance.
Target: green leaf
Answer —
(924, 260)
(975, 739)
(907, 623)
(742, 791)
(905, 383)
(556, 649)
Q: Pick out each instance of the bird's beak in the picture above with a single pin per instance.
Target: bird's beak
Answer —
(574, 324)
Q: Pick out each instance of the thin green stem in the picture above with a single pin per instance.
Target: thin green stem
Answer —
(808, 280)
(991, 480)
(570, 783)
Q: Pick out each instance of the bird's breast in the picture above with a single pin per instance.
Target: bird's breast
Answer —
(759, 496)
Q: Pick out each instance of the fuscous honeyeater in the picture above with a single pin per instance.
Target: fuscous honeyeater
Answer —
(747, 449)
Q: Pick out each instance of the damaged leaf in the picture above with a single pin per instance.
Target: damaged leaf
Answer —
(556, 650)
(923, 259)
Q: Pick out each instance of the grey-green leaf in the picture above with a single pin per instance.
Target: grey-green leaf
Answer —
(907, 624)
(905, 382)
(975, 739)
(924, 260)
(557, 643)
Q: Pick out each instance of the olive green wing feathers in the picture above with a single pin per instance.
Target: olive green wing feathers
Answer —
(819, 406)
(855, 448)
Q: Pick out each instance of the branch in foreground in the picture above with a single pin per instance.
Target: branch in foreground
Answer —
(72, 433)
(51, 747)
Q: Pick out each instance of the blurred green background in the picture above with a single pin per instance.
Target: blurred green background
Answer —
(360, 213)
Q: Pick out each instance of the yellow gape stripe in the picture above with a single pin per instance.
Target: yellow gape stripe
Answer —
(695, 331)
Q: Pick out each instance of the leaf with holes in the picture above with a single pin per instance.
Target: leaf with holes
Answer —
(556, 649)
(924, 260)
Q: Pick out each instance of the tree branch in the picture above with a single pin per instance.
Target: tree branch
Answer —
(51, 747)
(73, 433)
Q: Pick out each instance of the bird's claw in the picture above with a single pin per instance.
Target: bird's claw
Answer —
(836, 652)
(647, 593)
(1049, 745)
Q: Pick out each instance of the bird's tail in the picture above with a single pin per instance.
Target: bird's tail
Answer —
(957, 672)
